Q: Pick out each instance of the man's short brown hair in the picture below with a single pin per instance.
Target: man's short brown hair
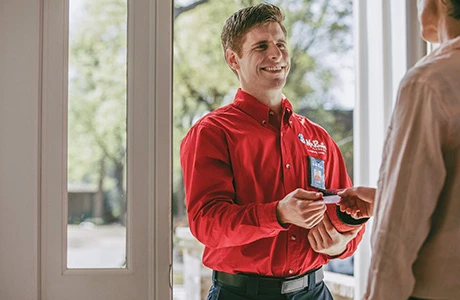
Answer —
(244, 19)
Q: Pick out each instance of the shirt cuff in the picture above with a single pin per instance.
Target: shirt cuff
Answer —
(267, 217)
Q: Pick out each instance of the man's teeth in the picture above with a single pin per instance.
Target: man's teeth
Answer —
(273, 68)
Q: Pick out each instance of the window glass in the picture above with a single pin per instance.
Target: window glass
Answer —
(97, 134)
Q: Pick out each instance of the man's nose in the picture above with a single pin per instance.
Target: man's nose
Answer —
(274, 52)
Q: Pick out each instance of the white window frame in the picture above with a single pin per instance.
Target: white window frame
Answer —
(387, 44)
(147, 275)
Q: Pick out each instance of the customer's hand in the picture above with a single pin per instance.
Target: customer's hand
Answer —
(325, 239)
(358, 202)
(302, 208)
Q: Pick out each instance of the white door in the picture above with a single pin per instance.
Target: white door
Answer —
(146, 274)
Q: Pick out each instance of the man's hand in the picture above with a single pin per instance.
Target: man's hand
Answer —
(358, 202)
(302, 208)
(325, 239)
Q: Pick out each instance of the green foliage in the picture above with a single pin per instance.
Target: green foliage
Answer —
(97, 96)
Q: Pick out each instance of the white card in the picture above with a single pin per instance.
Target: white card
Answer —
(332, 199)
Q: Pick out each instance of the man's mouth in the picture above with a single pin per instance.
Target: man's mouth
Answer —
(273, 69)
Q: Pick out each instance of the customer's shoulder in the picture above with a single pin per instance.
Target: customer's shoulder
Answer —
(437, 71)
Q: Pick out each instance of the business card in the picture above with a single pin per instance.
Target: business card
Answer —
(331, 199)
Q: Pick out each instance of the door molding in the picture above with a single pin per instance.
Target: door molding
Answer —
(147, 275)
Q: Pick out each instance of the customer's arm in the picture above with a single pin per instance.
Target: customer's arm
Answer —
(411, 179)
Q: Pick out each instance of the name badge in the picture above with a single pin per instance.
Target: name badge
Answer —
(316, 173)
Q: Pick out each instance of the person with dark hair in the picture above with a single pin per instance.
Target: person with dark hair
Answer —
(416, 232)
(255, 173)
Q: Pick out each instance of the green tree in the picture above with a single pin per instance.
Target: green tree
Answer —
(97, 99)
(203, 81)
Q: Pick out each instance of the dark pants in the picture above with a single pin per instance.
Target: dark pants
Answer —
(220, 291)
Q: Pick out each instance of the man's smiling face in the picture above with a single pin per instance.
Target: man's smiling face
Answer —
(264, 61)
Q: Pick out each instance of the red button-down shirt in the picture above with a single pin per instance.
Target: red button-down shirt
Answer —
(238, 162)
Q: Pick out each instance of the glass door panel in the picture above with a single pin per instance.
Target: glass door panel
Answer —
(97, 123)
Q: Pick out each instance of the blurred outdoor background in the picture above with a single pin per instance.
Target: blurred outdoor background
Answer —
(320, 86)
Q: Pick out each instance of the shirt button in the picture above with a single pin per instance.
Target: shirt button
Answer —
(293, 237)
(291, 271)
(288, 166)
(290, 122)
(282, 134)
(271, 113)
(288, 110)
(264, 122)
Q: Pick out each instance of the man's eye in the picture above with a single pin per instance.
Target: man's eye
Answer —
(282, 46)
(261, 47)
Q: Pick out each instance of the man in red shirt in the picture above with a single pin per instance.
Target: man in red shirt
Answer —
(254, 171)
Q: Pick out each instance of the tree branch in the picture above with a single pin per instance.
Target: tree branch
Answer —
(314, 33)
(182, 9)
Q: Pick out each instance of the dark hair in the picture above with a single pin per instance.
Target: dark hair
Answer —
(240, 22)
(455, 9)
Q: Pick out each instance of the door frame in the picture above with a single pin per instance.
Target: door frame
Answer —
(147, 275)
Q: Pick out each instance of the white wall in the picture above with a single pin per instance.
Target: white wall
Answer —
(19, 130)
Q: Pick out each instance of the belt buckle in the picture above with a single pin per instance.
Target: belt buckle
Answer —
(294, 285)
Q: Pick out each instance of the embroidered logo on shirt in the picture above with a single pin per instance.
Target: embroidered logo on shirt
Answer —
(313, 145)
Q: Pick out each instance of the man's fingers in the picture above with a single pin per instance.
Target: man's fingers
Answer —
(302, 194)
(324, 233)
(312, 219)
(315, 221)
(312, 240)
(308, 207)
(327, 223)
(317, 236)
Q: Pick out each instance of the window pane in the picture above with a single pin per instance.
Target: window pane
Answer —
(97, 134)
(320, 86)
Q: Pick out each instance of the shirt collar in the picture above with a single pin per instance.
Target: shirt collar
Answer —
(258, 110)
(449, 46)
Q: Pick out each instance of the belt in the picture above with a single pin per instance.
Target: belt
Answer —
(285, 284)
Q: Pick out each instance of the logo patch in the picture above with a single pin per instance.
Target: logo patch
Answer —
(313, 146)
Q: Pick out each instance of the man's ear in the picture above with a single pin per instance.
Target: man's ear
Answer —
(232, 59)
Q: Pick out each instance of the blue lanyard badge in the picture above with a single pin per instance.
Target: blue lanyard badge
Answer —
(316, 173)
